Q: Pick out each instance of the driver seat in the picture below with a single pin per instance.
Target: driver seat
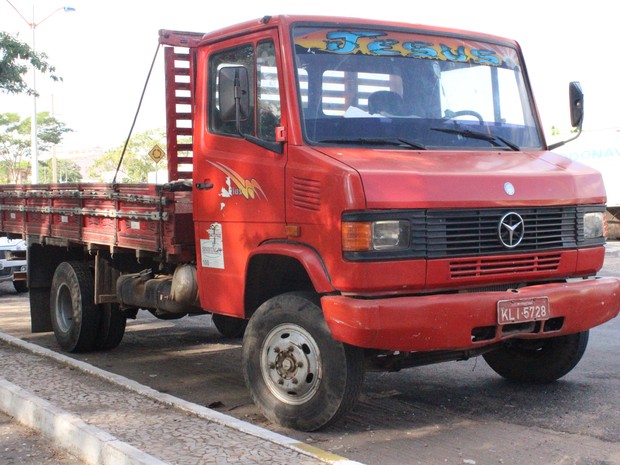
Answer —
(386, 103)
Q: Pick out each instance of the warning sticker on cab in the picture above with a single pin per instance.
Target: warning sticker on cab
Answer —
(212, 249)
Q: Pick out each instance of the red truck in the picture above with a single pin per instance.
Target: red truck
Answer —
(349, 195)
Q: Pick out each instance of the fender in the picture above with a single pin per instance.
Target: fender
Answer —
(307, 256)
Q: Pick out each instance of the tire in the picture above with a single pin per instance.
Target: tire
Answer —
(112, 324)
(229, 326)
(538, 361)
(297, 374)
(40, 315)
(20, 286)
(75, 318)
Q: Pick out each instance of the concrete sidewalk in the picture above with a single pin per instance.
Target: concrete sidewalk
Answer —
(106, 419)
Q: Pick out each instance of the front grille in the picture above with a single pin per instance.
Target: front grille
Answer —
(491, 266)
(454, 233)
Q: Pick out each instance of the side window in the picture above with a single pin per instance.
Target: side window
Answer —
(262, 116)
(220, 120)
(267, 91)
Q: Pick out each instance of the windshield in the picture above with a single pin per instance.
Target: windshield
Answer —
(373, 87)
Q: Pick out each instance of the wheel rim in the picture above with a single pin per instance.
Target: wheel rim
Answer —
(64, 308)
(291, 364)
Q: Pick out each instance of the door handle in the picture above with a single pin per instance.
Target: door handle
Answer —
(204, 185)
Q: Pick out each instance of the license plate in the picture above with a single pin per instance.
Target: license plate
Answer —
(523, 310)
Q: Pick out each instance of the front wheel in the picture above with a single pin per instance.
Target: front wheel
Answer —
(297, 374)
(538, 361)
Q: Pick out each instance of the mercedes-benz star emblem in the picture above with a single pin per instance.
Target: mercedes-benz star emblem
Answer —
(511, 230)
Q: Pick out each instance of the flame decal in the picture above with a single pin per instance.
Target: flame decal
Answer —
(249, 188)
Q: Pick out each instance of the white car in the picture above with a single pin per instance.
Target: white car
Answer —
(13, 263)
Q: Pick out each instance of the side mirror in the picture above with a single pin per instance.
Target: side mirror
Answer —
(234, 93)
(575, 94)
(234, 102)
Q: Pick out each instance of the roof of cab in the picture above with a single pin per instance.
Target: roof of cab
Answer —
(286, 21)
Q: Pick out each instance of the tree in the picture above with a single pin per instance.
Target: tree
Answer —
(15, 58)
(50, 130)
(68, 171)
(14, 148)
(15, 142)
(136, 163)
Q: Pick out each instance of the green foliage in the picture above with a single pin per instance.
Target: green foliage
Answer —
(68, 171)
(15, 143)
(50, 131)
(14, 148)
(136, 163)
(15, 58)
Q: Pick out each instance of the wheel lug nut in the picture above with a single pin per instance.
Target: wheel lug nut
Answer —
(280, 381)
(276, 350)
(291, 348)
(294, 381)
(300, 364)
(272, 366)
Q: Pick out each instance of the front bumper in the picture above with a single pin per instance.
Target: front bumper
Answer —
(12, 271)
(456, 321)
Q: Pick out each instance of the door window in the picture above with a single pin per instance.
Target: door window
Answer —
(260, 81)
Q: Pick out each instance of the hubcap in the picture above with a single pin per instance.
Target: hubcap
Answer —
(64, 308)
(291, 364)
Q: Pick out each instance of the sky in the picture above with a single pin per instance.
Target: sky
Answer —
(103, 51)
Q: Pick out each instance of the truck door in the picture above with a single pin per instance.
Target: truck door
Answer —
(238, 163)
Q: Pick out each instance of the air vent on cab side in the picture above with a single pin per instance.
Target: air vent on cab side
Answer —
(306, 193)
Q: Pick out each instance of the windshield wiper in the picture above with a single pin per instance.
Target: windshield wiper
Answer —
(413, 144)
(399, 142)
(497, 141)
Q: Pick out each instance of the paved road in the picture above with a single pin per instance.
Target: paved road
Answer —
(454, 413)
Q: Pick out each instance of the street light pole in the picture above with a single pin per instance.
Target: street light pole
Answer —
(34, 145)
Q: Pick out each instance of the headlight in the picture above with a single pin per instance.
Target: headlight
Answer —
(594, 225)
(388, 235)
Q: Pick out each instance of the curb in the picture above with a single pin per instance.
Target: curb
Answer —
(85, 441)
(133, 456)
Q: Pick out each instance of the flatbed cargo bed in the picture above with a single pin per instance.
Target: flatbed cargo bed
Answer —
(142, 217)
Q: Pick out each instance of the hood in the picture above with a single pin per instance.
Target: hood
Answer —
(443, 179)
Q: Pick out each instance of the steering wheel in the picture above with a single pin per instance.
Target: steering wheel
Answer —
(449, 114)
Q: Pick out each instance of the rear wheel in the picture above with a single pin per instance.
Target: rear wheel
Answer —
(75, 318)
(297, 374)
(112, 324)
(229, 326)
(538, 361)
